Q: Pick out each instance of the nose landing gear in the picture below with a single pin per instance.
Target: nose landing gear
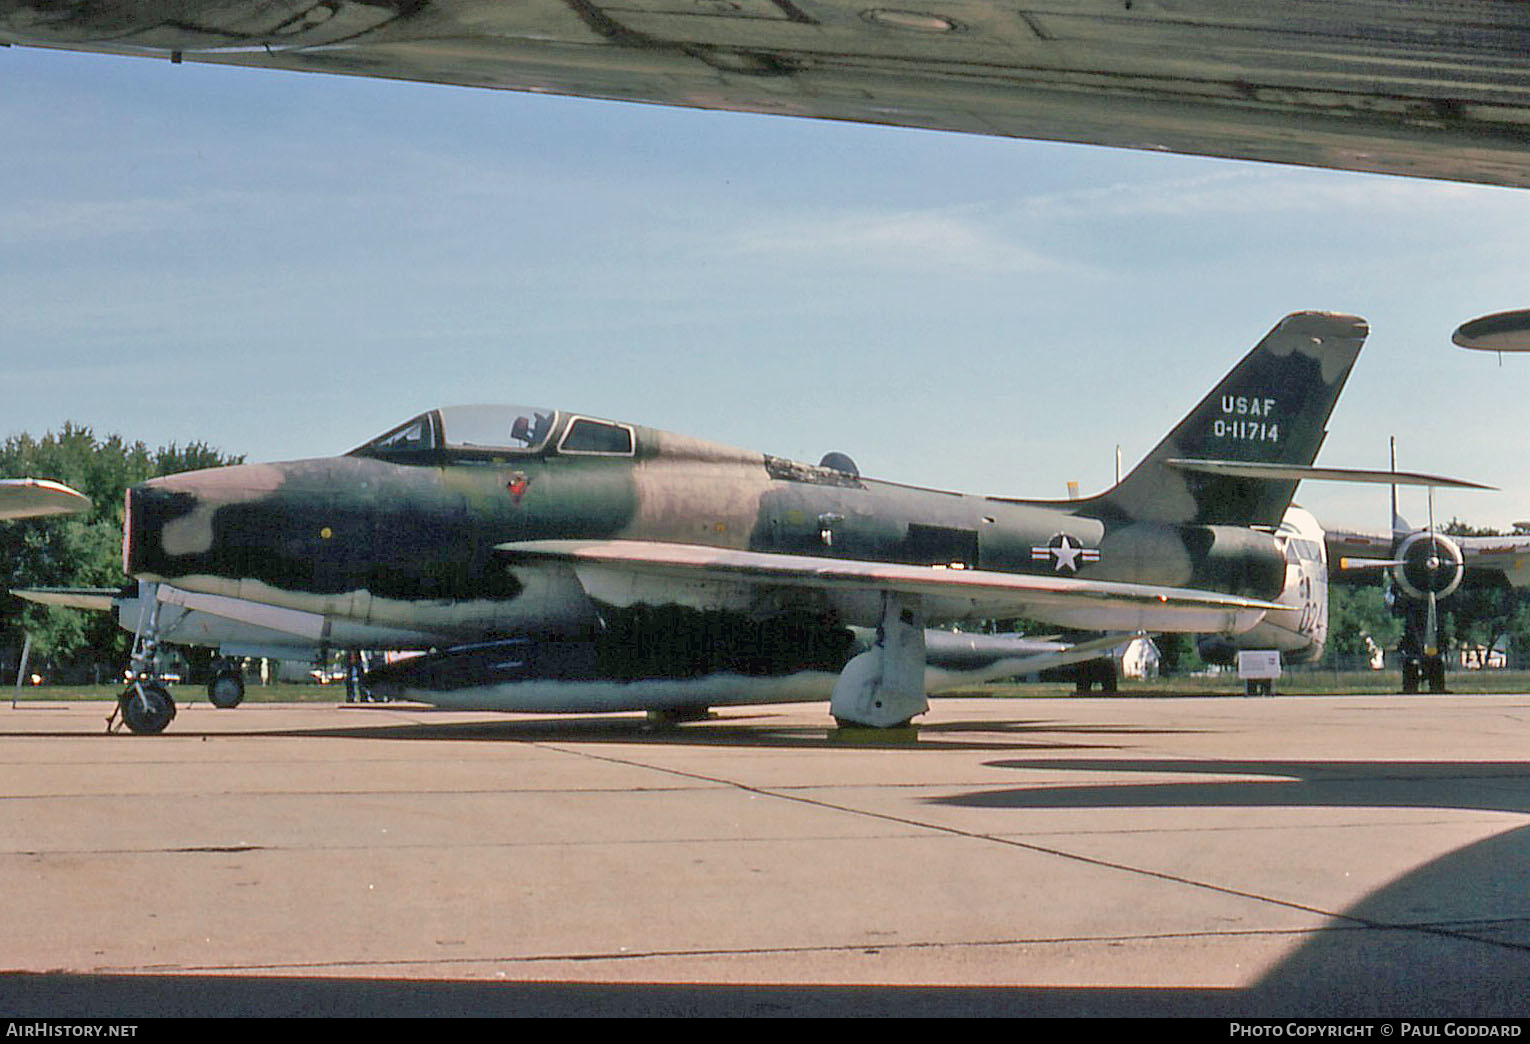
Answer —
(145, 706)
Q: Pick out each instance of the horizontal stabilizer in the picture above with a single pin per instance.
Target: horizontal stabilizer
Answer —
(1297, 472)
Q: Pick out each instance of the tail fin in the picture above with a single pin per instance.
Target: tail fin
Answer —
(1271, 409)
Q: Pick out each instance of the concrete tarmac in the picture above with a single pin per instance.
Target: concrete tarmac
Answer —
(1287, 856)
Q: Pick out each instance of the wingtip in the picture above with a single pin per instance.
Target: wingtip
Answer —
(39, 498)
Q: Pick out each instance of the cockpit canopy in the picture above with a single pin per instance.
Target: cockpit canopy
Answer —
(489, 430)
(468, 433)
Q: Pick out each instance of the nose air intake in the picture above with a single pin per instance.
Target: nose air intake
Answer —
(149, 512)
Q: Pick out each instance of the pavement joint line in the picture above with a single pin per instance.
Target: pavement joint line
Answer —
(239, 848)
(368, 793)
(606, 842)
(771, 951)
(747, 951)
(1161, 875)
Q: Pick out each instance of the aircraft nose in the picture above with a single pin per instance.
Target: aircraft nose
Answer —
(168, 525)
(149, 509)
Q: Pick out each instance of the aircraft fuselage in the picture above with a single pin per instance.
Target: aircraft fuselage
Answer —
(412, 546)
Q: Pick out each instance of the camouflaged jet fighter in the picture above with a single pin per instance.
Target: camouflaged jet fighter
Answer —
(552, 561)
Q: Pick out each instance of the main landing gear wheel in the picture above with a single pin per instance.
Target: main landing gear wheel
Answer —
(146, 708)
(1420, 672)
(1090, 673)
(226, 689)
(1434, 673)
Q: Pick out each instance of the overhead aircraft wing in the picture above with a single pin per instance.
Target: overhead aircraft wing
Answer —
(33, 498)
(1433, 90)
(631, 572)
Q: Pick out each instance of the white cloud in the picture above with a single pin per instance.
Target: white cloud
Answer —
(910, 239)
(35, 221)
(1259, 190)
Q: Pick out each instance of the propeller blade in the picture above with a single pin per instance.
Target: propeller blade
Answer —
(1370, 563)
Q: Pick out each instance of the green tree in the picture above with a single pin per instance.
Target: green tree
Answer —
(1457, 528)
(1177, 655)
(1356, 613)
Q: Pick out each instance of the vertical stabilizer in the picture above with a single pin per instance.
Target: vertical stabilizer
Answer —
(1272, 408)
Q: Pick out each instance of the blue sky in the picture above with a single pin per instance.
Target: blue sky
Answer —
(284, 265)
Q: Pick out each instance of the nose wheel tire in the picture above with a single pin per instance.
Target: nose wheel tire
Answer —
(146, 708)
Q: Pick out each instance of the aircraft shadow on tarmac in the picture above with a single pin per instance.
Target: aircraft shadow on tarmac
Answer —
(1450, 938)
(1488, 786)
(736, 729)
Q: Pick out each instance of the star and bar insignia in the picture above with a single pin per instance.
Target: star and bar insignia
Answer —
(1066, 552)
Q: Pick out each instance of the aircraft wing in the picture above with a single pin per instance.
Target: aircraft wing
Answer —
(1433, 90)
(235, 626)
(631, 572)
(1506, 555)
(1358, 544)
(232, 625)
(92, 599)
(33, 498)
